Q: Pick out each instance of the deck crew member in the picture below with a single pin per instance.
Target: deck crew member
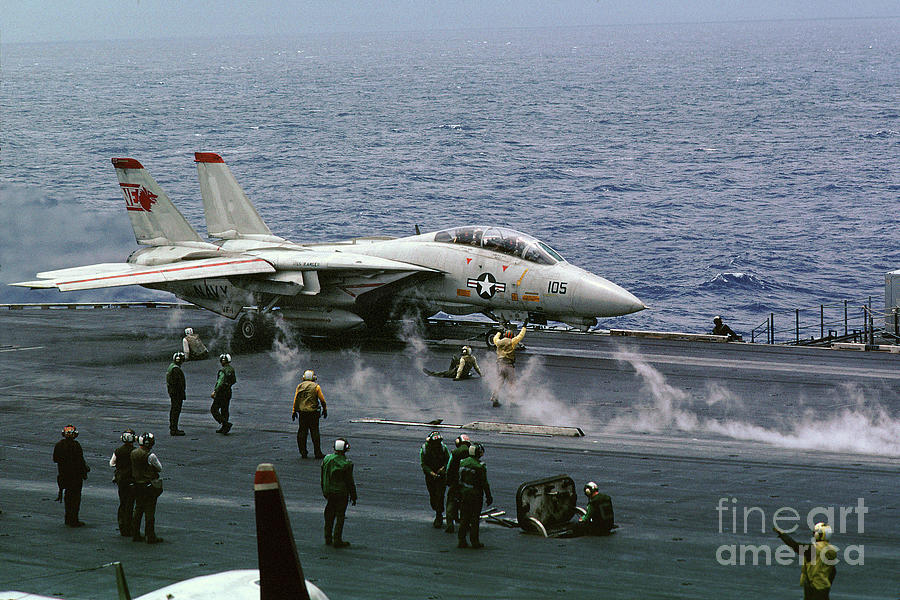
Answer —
(720, 328)
(338, 488)
(433, 458)
(221, 394)
(192, 346)
(459, 453)
(175, 385)
(307, 400)
(506, 360)
(473, 487)
(461, 366)
(598, 519)
(124, 480)
(72, 471)
(145, 468)
(819, 559)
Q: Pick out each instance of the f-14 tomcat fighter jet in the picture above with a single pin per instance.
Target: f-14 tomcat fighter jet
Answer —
(341, 286)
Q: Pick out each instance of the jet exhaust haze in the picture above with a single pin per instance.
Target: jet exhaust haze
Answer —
(855, 424)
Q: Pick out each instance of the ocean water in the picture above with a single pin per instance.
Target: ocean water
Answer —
(725, 168)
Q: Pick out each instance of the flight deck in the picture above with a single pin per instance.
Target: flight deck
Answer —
(699, 444)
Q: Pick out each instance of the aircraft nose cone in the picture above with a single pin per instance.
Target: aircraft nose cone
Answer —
(599, 297)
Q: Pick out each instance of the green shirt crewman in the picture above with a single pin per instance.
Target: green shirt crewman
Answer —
(459, 453)
(221, 394)
(338, 488)
(175, 385)
(473, 487)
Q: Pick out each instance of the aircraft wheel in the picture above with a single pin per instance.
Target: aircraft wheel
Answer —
(248, 327)
(253, 332)
(489, 338)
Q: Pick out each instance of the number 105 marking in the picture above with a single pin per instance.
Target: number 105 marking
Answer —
(556, 287)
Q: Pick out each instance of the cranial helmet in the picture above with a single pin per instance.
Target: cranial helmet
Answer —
(510, 333)
(463, 439)
(822, 532)
(309, 375)
(434, 436)
(476, 450)
(466, 350)
(188, 331)
(70, 431)
(146, 440)
(178, 357)
(591, 488)
(717, 319)
(225, 358)
(128, 436)
(341, 445)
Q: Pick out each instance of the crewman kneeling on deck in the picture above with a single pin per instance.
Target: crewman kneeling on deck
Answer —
(598, 518)
(192, 346)
(819, 559)
(433, 458)
(461, 366)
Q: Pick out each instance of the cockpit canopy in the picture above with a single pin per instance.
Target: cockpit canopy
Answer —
(502, 239)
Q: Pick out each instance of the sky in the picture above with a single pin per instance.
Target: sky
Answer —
(90, 20)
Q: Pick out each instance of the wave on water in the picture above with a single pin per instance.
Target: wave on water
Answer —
(880, 134)
(735, 281)
(859, 426)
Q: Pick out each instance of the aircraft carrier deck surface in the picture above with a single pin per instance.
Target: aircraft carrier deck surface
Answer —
(673, 429)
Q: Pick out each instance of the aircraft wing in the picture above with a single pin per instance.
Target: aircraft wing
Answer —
(117, 274)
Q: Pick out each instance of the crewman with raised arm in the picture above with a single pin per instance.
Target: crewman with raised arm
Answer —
(819, 559)
(506, 360)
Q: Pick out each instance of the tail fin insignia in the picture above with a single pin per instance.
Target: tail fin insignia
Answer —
(137, 197)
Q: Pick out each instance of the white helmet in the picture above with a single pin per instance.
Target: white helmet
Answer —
(188, 331)
(463, 439)
(309, 375)
(341, 445)
(476, 450)
(128, 436)
(224, 358)
(178, 356)
(147, 440)
(822, 532)
(591, 488)
(466, 350)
